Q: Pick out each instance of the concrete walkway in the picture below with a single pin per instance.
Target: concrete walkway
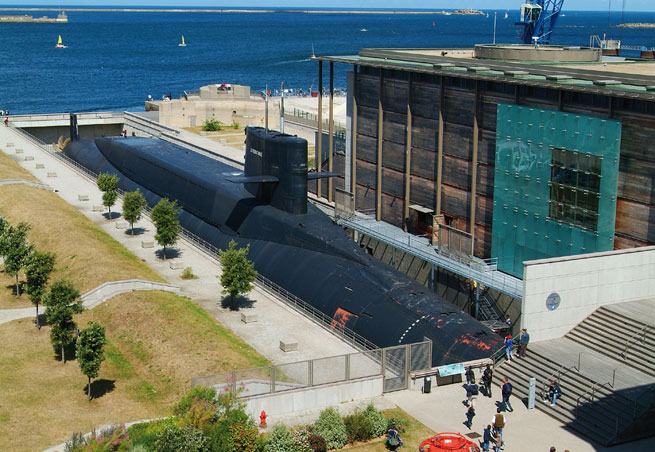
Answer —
(276, 321)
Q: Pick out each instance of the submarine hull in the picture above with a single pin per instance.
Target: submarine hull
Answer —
(306, 254)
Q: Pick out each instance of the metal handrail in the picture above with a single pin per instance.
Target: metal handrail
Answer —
(559, 377)
(630, 341)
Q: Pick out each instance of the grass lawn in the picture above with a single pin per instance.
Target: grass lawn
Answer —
(414, 434)
(157, 342)
(11, 170)
(85, 254)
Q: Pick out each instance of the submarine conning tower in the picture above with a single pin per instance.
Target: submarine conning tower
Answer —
(278, 164)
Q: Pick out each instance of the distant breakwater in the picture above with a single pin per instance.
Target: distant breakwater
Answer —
(465, 12)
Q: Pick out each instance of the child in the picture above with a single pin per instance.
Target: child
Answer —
(470, 414)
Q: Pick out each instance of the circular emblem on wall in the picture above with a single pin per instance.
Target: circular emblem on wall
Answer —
(552, 302)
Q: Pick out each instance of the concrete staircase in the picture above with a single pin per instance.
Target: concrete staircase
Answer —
(594, 410)
(619, 337)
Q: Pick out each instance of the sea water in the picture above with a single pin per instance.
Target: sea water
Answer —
(114, 60)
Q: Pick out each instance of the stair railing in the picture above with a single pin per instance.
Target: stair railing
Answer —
(560, 370)
(641, 333)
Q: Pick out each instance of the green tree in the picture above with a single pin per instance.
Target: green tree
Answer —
(238, 271)
(62, 302)
(16, 250)
(108, 183)
(133, 205)
(90, 351)
(164, 215)
(37, 273)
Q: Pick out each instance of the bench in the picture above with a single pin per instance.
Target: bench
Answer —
(40, 166)
(249, 318)
(52, 174)
(121, 225)
(19, 151)
(176, 265)
(29, 158)
(288, 346)
(98, 208)
(145, 244)
(82, 197)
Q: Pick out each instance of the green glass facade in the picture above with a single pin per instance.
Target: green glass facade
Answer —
(555, 185)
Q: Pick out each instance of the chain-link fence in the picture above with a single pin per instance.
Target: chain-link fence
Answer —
(394, 363)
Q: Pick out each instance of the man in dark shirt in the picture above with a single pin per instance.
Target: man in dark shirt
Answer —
(524, 340)
(487, 376)
(507, 392)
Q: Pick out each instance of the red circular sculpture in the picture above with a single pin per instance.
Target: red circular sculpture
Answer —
(450, 442)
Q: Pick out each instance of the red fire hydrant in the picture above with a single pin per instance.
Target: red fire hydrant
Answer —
(262, 419)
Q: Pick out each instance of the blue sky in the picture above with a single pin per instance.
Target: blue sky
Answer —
(571, 5)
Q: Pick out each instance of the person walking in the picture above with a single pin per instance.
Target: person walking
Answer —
(487, 376)
(509, 344)
(470, 414)
(486, 438)
(497, 442)
(472, 391)
(7, 121)
(470, 376)
(524, 340)
(498, 422)
(506, 391)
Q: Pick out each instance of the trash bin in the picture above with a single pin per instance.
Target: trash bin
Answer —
(427, 385)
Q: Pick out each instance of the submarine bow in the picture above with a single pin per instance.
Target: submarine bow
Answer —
(292, 243)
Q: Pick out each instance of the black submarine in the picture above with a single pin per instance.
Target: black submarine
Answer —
(292, 242)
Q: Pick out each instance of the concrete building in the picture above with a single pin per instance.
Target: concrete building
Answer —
(223, 102)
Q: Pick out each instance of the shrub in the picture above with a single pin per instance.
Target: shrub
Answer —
(197, 394)
(179, 439)
(145, 434)
(330, 426)
(280, 440)
(76, 442)
(358, 427)
(301, 441)
(377, 420)
(212, 125)
(317, 443)
(245, 437)
(200, 415)
(113, 439)
(188, 274)
(397, 423)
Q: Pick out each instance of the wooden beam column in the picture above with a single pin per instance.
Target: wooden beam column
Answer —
(474, 163)
(319, 141)
(331, 130)
(354, 139)
(437, 209)
(408, 152)
(378, 188)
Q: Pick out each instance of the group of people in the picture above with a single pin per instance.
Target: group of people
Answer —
(523, 341)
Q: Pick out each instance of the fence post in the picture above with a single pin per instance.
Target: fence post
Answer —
(234, 383)
(579, 358)
(347, 367)
(383, 366)
(272, 379)
(614, 377)
(408, 353)
(310, 372)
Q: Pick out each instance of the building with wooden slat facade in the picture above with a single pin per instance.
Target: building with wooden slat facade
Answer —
(527, 161)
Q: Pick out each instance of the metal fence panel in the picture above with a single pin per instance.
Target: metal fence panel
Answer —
(329, 370)
(252, 382)
(395, 369)
(292, 376)
(366, 364)
(420, 355)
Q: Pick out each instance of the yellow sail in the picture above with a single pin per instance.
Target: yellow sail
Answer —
(182, 43)
(59, 40)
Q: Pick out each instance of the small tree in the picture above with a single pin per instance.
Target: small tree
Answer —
(133, 205)
(37, 273)
(108, 183)
(164, 215)
(238, 271)
(16, 250)
(90, 351)
(62, 301)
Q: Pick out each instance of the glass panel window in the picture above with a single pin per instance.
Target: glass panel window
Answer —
(575, 188)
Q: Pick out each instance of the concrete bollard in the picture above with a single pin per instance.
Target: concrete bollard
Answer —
(288, 346)
(10, 144)
(82, 197)
(176, 265)
(40, 166)
(98, 208)
(52, 174)
(29, 158)
(249, 318)
(121, 225)
(19, 151)
(145, 244)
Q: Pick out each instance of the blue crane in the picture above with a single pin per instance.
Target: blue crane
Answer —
(538, 18)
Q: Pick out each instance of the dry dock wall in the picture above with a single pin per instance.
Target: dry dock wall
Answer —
(581, 284)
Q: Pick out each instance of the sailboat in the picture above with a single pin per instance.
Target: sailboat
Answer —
(59, 44)
(506, 15)
(182, 43)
